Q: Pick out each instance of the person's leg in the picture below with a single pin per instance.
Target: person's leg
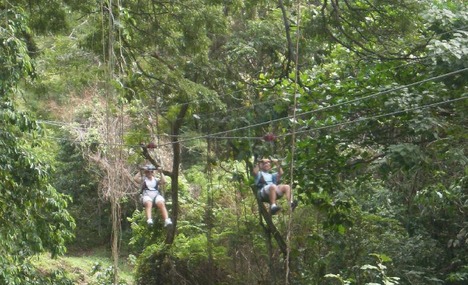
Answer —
(160, 203)
(147, 199)
(272, 193)
(162, 208)
(148, 209)
(285, 190)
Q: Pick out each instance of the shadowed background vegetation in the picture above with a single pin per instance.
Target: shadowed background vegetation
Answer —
(365, 101)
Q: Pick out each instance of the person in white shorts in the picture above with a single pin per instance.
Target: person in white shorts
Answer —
(150, 195)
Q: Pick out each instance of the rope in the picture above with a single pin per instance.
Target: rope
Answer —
(209, 212)
(293, 146)
(114, 153)
(113, 198)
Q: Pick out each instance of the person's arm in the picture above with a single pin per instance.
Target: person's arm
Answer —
(256, 169)
(279, 170)
(137, 177)
(162, 179)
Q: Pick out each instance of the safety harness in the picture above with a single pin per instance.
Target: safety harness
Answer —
(145, 187)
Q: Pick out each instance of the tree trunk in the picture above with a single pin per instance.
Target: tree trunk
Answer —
(270, 226)
(175, 131)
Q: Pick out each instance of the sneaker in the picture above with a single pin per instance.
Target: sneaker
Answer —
(149, 222)
(293, 205)
(274, 209)
(168, 222)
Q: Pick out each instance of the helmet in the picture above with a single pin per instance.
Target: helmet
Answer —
(149, 167)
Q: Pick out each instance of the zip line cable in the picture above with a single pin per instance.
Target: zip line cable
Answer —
(214, 113)
(217, 134)
(331, 106)
(379, 116)
(414, 61)
(279, 99)
(297, 132)
(357, 120)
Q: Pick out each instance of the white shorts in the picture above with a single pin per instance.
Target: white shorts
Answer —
(152, 196)
(264, 193)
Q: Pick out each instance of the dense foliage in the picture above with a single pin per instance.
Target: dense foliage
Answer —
(33, 214)
(364, 102)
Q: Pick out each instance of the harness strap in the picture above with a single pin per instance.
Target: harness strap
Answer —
(144, 187)
(261, 181)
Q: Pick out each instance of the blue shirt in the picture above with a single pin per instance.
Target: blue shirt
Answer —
(266, 178)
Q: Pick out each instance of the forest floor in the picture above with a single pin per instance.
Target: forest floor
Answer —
(80, 266)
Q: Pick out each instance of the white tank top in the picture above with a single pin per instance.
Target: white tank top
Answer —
(151, 183)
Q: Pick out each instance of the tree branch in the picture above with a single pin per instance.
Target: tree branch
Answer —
(287, 29)
(271, 228)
